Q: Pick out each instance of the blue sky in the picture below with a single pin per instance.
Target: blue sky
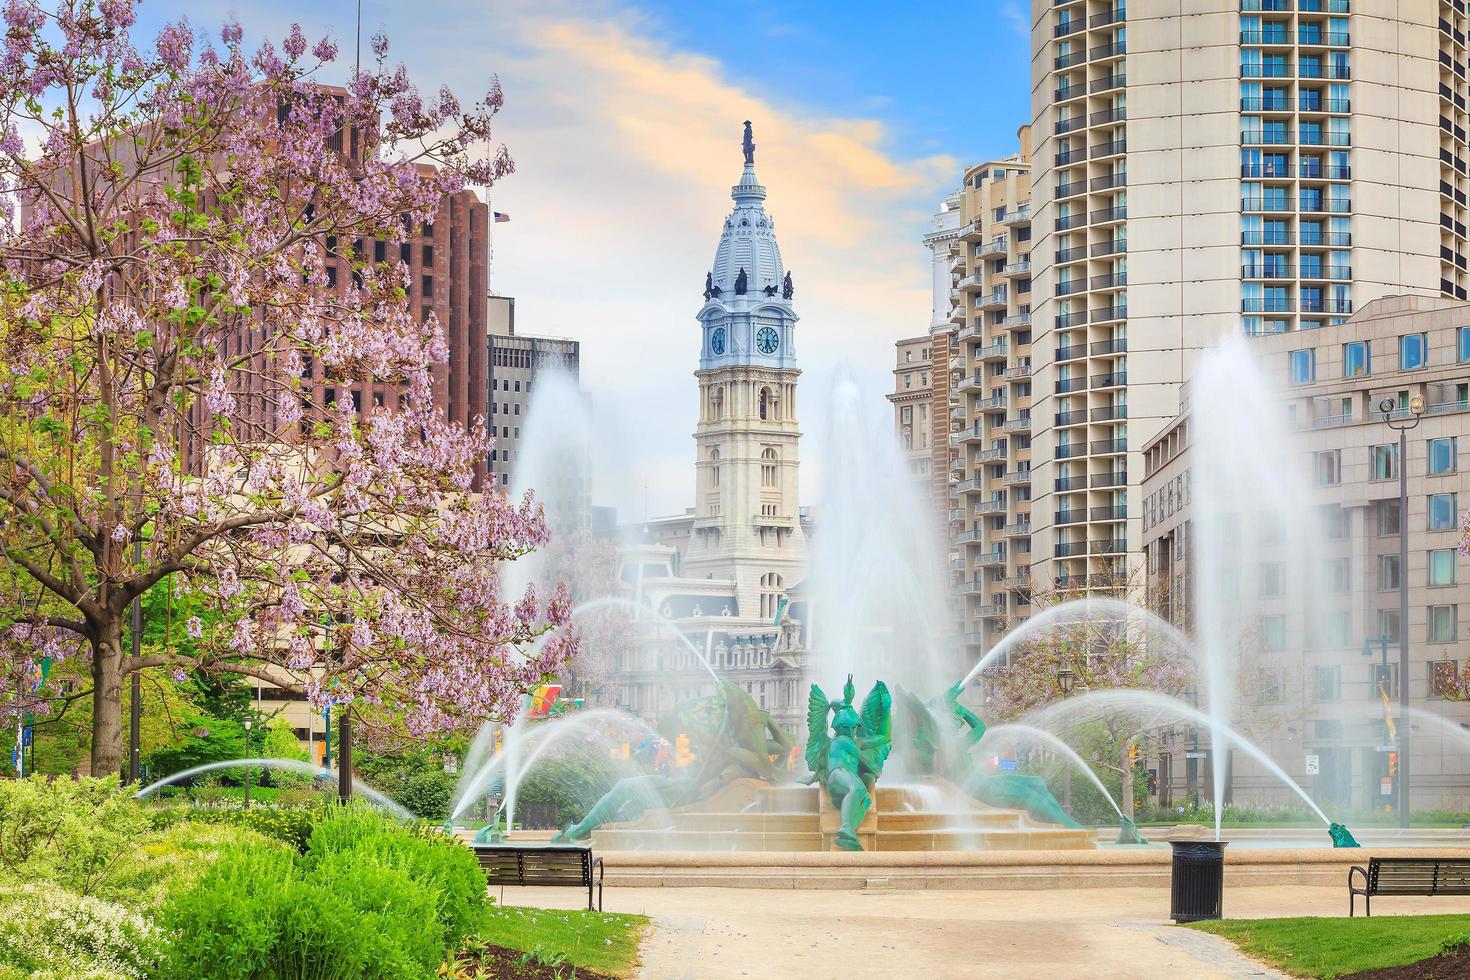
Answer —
(624, 122)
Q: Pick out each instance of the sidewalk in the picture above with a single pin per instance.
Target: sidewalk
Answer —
(709, 933)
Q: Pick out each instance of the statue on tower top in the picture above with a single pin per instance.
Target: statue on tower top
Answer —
(749, 145)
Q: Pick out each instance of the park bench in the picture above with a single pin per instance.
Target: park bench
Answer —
(555, 865)
(1408, 876)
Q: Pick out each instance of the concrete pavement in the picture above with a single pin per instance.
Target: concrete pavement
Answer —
(714, 933)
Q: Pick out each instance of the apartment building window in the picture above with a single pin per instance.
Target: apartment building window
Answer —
(1388, 573)
(1413, 351)
(1273, 633)
(1356, 359)
(908, 381)
(1384, 462)
(908, 357)
(1383, 679)
(1442, 567)
(1271, 580)
(1328, 466)
(1441, 674)
(1334, 522)
(1303, 366)
(1442, 454)
(906, 414)
(1333, 631)
(1326, 682)
(1388, 517)
(1462, 344)
(1441, 624)
(1338, 576)
(999, 214)
(1388, 624)
(1442, 513)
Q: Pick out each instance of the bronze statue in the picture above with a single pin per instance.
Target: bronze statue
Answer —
(749, 146)
(709, 285)
(786, 288)
(848, 761)
(770, 290)
(741, 281)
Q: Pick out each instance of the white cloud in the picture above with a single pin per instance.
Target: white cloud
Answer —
(625, 150)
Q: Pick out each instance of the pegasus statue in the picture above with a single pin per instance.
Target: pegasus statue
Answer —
(847, 757)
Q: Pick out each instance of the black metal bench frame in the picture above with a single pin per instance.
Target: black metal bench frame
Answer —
(564, 857)
(1371, 880)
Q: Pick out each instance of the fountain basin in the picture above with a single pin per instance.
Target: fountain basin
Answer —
(750, 815)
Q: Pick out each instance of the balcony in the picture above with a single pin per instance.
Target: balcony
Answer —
(1063, 419)
(966, 486)
(1067, 483)
(1016, 478)
(994, 300)
(1115, 280)
(972, 383)
(1107, 84)
(1268, 203)
(1019, 320)
(1071, 353)
(1108, 149)
(991, 403)
(970, 585)
(1108, 546)
(996, 246)
(990, 559)
(1020, 216)
(1065, 320)
(1068, 385)
(1268, 270)
(1103, 52)
(1109, 413)
(975, 433)
(1075, 220)
(1117, 478)
(1022, 369)
(1068, 27)
(967, 537)
(1108, 181)
(1278, 38)
(1021, 268)
(1109, 447)
(1105, 116)
(1118, 345)
(1070, 516)
(1022, 424)
(1069, 549)
(1107, 314)
(1071, 286)
(1267, 137)
(1018, 529)
(994, 352)
(1070, 450)
(991, 455)
(1074, 122)
(1268, 304)
(1108, 216)
(1115, 246)
(1117, 15)
(974, 331)
(1262, 171)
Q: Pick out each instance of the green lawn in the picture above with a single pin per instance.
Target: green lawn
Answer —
(1313, 947)
(605, 941)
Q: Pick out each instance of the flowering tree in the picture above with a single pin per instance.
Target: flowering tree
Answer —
(1101, 653)
(171, 327)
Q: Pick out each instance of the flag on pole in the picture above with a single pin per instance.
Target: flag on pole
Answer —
(501, 216)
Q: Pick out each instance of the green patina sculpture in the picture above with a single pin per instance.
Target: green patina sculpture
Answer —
(494, 831)
(628, 800)
(1341, 836)
(733, 738)
(947, 751)
(848, 758)
(1128, 832)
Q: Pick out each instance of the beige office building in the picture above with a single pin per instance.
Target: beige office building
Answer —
(1205, 167)
(912, 399)
(1315, 706)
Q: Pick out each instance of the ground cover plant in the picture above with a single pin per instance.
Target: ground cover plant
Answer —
(1332, 948)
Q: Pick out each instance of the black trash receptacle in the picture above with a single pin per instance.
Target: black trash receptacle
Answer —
(1198, 880)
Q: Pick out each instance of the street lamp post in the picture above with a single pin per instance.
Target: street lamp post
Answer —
(1386, 676)
(1065, 679)
(1416, 413)
(247, 767)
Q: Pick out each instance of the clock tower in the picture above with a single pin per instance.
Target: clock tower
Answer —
(747, 518)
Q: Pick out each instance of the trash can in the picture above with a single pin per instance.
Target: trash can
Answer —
(1197, 881)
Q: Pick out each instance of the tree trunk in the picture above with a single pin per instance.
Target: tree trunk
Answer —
(1126, 791)
(107, 747)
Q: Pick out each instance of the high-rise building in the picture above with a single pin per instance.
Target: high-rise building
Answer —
(1329, 661)
(1206, 167)
(516, 362)
(912, 398)
(984, 395)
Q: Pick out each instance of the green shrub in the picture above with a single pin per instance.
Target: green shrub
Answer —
(290, 824)
(414, 777)
(49, 932)
(570, 783)
(260, 913)
(166, 862)
(1456, 945)
(443, 865)
(68, 831)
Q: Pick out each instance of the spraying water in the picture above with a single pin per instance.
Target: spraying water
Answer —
(641, 610)
(295, 765)
(1020, 731)
(1097, 704)
(1250, 497)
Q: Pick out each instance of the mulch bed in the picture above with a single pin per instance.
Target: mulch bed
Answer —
(505, 964)
(1442, 967)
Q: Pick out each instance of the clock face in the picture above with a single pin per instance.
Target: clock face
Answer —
(767, 340)
(717, 341)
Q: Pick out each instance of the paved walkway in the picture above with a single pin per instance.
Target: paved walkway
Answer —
(714, 933)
